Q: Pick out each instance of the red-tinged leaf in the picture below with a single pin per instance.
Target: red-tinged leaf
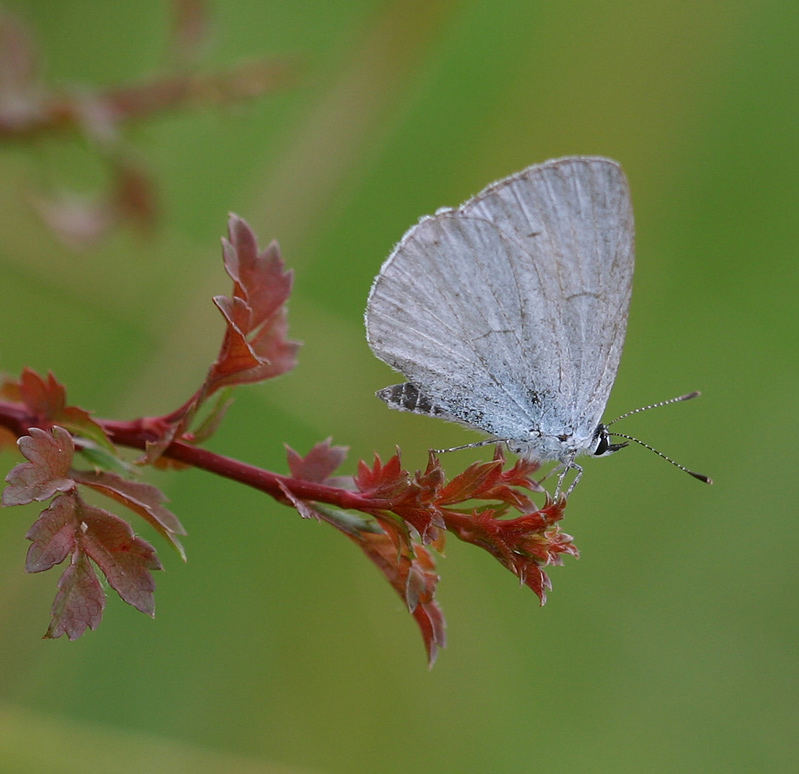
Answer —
(144, 499)
(167, 430)
(125, 559)
(276, 353)
(532, 576)
(430, 481)
(259, 277)
(382, 481)
(424, 517)
(429, 616)
(72, 527)
(408, 567)
(52, 535)
(47, 400)
(488, 481)
(467, 485)
(430, 620)
(319, 463)
(412, 498)
(418, 504)
(349, 523)
(44, 399)
(47, 472)
(421, 581)
(79, 602)
(236, 355)
(524, 545)
(255, 346)
(248, 356)
(501, 485)
(167, 463)
(521, 472)
(411, 574)
(346, 521)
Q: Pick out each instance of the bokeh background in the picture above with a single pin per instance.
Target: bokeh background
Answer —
(671, 645)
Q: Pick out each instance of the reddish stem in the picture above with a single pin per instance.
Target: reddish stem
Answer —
(138, 433)
(128, 434)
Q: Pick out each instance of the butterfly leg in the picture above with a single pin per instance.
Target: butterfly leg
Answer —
(577, 476)
(473, 445)
(568, 465)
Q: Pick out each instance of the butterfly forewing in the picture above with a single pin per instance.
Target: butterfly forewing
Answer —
(509, 312)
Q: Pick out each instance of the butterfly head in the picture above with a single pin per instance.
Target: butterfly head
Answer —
(602, 444)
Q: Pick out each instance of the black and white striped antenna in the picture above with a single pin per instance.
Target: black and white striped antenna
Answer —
(678, 399)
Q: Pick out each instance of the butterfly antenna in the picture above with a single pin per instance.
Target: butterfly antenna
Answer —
(700, 476)
(694, 394)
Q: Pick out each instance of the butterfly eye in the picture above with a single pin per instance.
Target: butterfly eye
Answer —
(603, 441)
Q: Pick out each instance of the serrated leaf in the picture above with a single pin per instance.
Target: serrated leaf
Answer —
(126, 560)
(321, 461)
(52, 535)
(411, 574)
(255, 346)
(47, 401)
(467, 485)
(407, 566)
(46, 473)
(144, 499)
(72, 527)
(488, 481)
(79, 601)
(524, 545)
(382, 480)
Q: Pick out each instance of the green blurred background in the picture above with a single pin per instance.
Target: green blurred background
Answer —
(671, 645)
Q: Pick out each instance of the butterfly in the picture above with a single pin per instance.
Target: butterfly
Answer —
(508, 313)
